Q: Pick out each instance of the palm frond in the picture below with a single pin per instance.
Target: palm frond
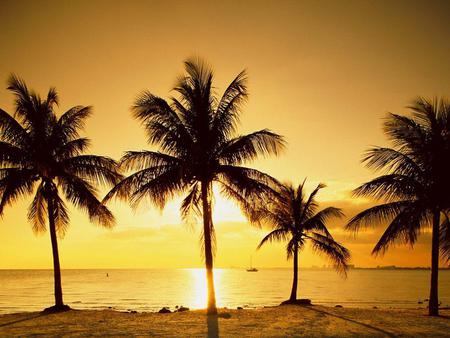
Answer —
(226, 117)
(390, 187)
(139, 160)
(160, 189)
(37, 211)
(16, 183)
(308, 208)
(163, 125)
(71, 122)
(334, 251)
(190, 206)
(276, 235)
(52, 98)
(72, 148)
(84, 196)
(392, 161)
(318, 221)
(11, 155)
(11, 131)
(404, 228)
(248, 147)
(377, 214)
(97, 169)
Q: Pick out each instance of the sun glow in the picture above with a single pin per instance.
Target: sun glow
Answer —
(225, 210)
(199, 290)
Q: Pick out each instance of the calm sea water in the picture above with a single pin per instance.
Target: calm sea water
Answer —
(149, 290)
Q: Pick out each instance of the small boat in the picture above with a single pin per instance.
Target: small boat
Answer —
(251, 269)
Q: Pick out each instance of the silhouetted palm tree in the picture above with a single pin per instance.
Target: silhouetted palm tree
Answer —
(295, 219)
(196, 135)
(415, 184)
(42, 154)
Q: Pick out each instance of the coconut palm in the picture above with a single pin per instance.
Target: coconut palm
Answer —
(414, 184)
(296, 220)
(198, 145)
(41, 154)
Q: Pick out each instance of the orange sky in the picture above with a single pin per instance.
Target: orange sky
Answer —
(322, 73)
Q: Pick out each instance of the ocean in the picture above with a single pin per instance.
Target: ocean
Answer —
(152, 289)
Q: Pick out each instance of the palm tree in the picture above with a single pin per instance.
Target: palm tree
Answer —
(196, 135)
(295, 219)
(414, 184)
(41, 154)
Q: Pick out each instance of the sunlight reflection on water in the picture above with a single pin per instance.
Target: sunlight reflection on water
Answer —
(150, 290)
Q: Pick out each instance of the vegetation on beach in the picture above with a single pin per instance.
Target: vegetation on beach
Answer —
(197, 137)
(295, 219)
(414, 184)
(43, 154)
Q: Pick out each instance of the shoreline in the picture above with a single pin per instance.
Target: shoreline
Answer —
(276, 321)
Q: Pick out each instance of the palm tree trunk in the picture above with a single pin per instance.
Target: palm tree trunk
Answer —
(207, 237)
(293, 297)
(56, 267)
(433, 305)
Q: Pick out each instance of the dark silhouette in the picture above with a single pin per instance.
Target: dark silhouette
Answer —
(196, 134)
(295, 219)
(212, 324)
(41, 153)
(415, 184)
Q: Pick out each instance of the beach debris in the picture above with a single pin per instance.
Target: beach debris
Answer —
(240, 308)
(225, 315)
(375, 307)
(338, 305)
(182, 309)
(164, 310)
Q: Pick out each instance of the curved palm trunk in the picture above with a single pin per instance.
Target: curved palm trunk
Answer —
(433, 305)
(293, 296)
(56, 267)
(207, 237)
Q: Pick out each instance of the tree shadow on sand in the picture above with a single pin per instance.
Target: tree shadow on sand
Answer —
(29, 317)
(212, 322)
(389, 334)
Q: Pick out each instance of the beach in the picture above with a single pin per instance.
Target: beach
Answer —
(279, 321)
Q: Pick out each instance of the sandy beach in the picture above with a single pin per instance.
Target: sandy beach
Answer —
(282, 321)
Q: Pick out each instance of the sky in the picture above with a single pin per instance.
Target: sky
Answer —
(322, 73)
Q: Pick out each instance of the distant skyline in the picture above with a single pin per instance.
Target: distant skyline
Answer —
(322, 73)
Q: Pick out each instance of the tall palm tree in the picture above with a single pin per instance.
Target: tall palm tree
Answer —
(295, 219)
(41, 154)
(414, 184)
(196, 135)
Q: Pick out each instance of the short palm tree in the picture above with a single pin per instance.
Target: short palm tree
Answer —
(414, 185)
(296, 220)
(196, 135)
(41, 154)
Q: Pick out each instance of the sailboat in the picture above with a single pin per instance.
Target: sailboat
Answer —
(251, 269)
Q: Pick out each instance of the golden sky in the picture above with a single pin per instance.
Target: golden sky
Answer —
(322, 73)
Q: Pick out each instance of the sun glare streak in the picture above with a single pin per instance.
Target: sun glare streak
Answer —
(199, 291)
